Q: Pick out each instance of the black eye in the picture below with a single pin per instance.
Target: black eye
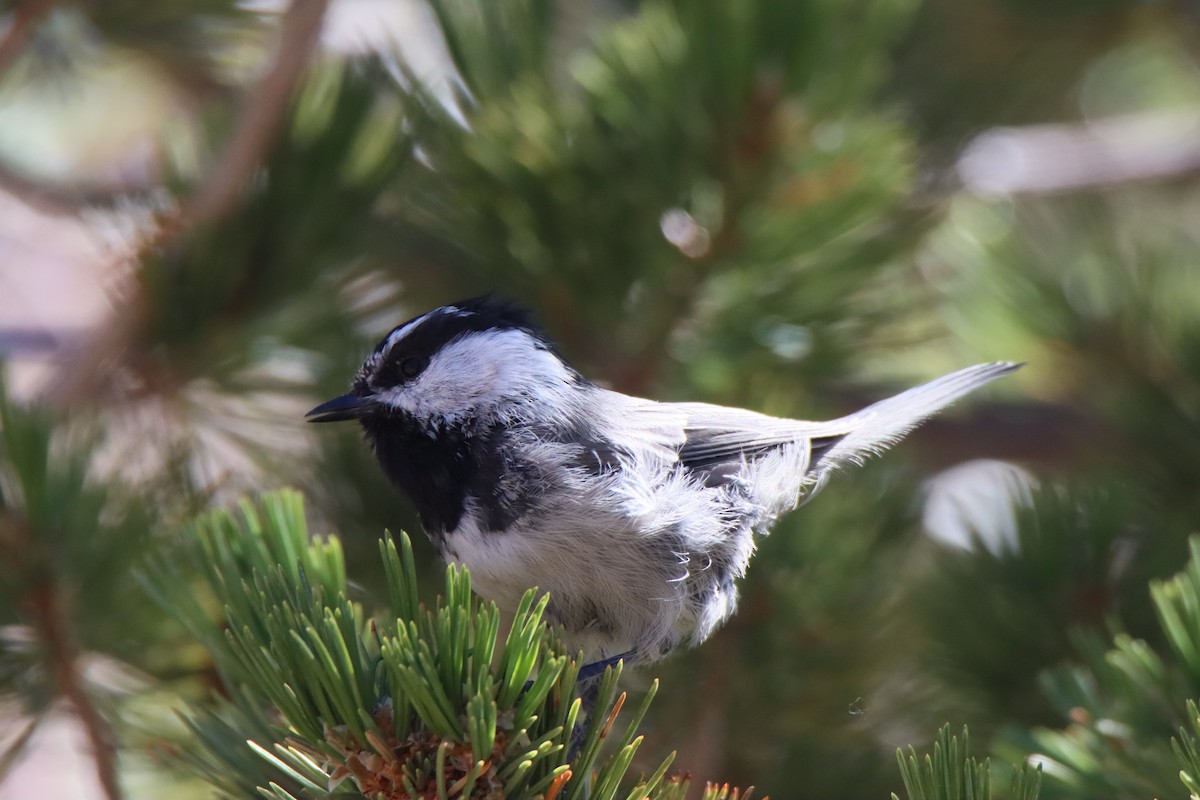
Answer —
(412, 366)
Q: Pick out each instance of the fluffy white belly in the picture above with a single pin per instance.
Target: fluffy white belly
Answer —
(606, 589)
(503, 565)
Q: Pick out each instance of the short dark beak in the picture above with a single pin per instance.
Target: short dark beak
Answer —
(348, 406)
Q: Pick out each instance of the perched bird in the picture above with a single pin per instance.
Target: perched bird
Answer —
(638, 517)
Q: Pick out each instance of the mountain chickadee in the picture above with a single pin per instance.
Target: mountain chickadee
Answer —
(638, 517)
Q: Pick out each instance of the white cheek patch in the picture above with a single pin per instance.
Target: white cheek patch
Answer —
(478, 373)
(450, 387)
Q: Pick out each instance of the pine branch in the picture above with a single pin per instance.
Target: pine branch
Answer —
(422, 701)
(261, 116)
(60, 539)
(323, 175)
(1187, 751)
(257, 128)
(1124, 701)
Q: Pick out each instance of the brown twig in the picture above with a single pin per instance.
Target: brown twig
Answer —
(46, 605)
(262, 113)
(47, 608)
(66, 199)
(22, 23)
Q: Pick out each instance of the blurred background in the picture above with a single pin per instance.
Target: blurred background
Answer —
(211, 210)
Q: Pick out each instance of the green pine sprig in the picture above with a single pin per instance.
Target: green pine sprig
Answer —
(420, 701)
(1178, 604)
(950, 773)
(1187, 750)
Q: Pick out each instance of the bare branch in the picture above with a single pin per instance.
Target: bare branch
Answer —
(63, 653)
(1041, 159)
(22, 23)
(46, 604)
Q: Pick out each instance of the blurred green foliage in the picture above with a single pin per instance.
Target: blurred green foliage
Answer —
(753, 203)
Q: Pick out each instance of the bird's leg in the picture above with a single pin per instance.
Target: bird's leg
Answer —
(596, 668)
(589, 675)
(587, 683)
(588, 687)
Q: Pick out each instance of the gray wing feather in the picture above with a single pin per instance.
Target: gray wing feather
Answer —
(704, 437)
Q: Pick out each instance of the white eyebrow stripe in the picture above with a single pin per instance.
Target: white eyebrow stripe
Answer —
(407, 327)
(403, 331)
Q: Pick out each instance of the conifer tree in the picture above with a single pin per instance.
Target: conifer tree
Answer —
(762, 203)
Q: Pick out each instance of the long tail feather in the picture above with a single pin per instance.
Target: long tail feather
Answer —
(875, 428)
